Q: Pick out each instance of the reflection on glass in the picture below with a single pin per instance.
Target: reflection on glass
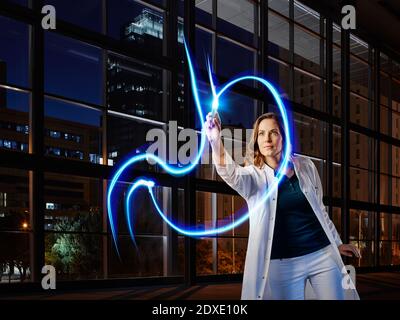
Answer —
(361, 151)
(336, 65)
(362, 183)
(281, 6)
(236, 19)
(278, 36)
(306, 16)
(384, 189)
(359, 77)
(358, 47)
(307, 90)
(204, 12)
(309, 135)
(361, 111)
(395, 124)
(337, 219)
(278, 74)
(306, 50)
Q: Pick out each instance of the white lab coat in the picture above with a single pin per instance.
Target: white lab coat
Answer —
(251, 183)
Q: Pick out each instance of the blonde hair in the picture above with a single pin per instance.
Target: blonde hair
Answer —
(253, 153)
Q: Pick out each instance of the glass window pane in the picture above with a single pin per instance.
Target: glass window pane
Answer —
(278, 36)
(204, 12)
(72, 131)
(306, 50)
(358, 47)
(85, 13)
(15, 259)
(127, 137)
(310, 136)
(307, 90)
(384, 118)
(384, 157)
(361, 111)
(135, 88)
(384, 63)
(337, 35)
(76, 256)
(361, 151)
(14, 120)
(136, 24)
(236, 19)
(203, 48)
(206, 257)
(337, 180)
(337, 65)
(337, 218)
(395, 124)
(396, 161)
(367, 250)
(281, 6)
(14, 200)
(390, 226)
(396, 192)
(389, 253)
(396, 95)
(231, 255)
(306, 16)
(73, 203)
(359, 77)
(384, 89)
(228, 54)
(278, 73)
(14, 57)
(362, 184)
(362, 225)
(384, 189)
(70, 66)
(337, 101)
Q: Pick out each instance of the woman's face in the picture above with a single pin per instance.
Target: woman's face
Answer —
(269, 138)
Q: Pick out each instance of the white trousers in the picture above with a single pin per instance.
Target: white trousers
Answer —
(287, 277)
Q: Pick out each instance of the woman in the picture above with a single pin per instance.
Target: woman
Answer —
(291, 238)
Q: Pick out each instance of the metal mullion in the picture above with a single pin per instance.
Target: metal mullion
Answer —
(329, 108)
(345, 65)
(171, 100)
(190, 192)
(36, 146)
(377, 154)
(263, 49)
(291, 49)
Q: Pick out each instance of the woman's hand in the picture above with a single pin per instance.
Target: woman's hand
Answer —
(349, 250)
(213, 127)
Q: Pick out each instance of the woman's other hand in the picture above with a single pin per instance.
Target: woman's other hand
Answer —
(349, 250)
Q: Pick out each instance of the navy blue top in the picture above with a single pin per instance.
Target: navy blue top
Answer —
(297, 228)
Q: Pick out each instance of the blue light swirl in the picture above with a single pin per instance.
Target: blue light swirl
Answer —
(179, 171)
